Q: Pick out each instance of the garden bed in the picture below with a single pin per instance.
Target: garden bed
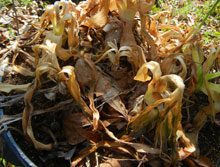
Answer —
(110, 82)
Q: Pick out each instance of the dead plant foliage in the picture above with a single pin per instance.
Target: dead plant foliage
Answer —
(99, 52)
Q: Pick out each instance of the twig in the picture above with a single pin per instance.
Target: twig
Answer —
(11, 128)
(7, 119)
(10, 100)
(142, 161)
(97, 159)
(120, 159)
(15, 11)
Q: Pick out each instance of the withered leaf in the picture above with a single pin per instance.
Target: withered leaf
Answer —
(73, 127)
(110, 94)
(116, 163)
(4, 87)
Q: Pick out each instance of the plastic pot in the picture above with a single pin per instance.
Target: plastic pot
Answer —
(11, 151)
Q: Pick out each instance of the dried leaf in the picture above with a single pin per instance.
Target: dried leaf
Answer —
(110, 94)
(143, 148)
(84, 153)
(189, 147)
(116, 163)
(3, 65)
(67, 74)
(48, 63)
(99, 17)
(50, 95)
(22, 70)
(111, 162)
(127, 38)
(63, 54)
(113, 30)
(145, 6)
(7, 88)
(89, 80)
(73, 123)
(120, 37)
(26, 119)
(126, 9)
(138, 105)
(203, 161)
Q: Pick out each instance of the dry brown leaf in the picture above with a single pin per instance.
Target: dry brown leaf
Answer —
(7, 88)
(89, 79)
(171, 110)
(203, 161)
(143, 148)
(22, 70)
(28, 110)
(72, 32)
(48, 64)
(171, 34)
(84, 73)
(26, 119)
(122, 30)
(63, 54)
(99, 15)
(67, 75)
(127, 38)
(156, 163)
(110, 163)
(153, 29)
(91, 149)
(116, 163)
(118, 105)
(110, 94)
(148, 38)
(126, 9)
(113, 30)
(190, 162)
(138, 105)
(142, 74)
(144, 6)
(186, 150)
(73, 127)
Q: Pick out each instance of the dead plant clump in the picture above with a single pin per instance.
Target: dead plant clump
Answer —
(116, 76)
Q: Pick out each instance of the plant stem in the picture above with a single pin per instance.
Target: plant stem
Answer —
(208, 14)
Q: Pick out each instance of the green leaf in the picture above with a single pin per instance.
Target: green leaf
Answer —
(212, 75)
